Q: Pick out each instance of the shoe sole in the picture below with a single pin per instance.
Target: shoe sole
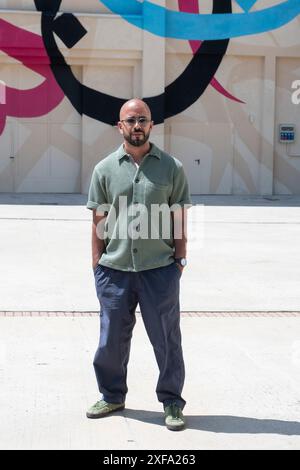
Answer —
(101, 415)
(176, 428)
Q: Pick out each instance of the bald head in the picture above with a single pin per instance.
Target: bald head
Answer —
(135, 106)
(135, 124)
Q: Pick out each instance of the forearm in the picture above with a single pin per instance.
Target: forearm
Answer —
(98, 245)
(180, 233)
(180, 248)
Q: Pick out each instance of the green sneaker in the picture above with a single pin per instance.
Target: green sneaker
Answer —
(174, 419)
(102, 408)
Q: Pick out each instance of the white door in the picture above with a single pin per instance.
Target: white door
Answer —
(43, 153)
(6, 159)
(206, 151)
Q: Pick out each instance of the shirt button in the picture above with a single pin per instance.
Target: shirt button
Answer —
(135, 250)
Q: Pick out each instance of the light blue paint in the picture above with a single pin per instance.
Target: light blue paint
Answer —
(191, 26)
(130, 8)
(246, 4)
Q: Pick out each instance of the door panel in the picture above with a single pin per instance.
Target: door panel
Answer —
(42, 153)
(6, 159)
(206, 151)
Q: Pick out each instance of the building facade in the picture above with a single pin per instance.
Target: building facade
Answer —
(224, 86)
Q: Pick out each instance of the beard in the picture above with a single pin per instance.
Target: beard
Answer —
(137, 141)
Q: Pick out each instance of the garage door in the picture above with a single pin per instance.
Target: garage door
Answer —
(39, 154)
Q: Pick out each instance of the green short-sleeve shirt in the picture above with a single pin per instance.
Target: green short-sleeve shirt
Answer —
(134, 198)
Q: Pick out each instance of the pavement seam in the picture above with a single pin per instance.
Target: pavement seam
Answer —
(243, 314)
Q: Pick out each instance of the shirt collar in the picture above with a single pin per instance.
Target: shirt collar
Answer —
(154, 152)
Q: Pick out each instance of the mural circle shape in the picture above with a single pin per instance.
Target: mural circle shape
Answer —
(177, 96)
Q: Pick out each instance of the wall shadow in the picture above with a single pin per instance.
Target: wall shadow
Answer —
(43, 199)
(206, 200)
(288, 200)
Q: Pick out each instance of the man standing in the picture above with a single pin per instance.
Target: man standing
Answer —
(138, 260)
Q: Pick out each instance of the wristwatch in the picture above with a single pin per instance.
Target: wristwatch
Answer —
(181, 261)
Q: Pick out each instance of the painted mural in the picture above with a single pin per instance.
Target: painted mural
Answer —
(27, 103)
(207, 69)
(176, 97)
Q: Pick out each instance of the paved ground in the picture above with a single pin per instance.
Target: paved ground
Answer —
(244, 254)
(242, 386)
(243, 369)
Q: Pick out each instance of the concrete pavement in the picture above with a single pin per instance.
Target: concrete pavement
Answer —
(242, 369)
(244, 254)
(242, 386)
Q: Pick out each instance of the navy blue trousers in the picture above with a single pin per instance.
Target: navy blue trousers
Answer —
(157, 293)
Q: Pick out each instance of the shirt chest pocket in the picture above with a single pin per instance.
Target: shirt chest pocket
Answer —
(156, 193)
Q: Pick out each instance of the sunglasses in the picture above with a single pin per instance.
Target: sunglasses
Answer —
(142, 121)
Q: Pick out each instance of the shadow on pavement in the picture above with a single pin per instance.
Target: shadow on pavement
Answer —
(47, 199)
(77, 199)
(222, 424)
(282, 200)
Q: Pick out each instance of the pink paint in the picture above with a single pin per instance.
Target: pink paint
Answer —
(192, 6)
(28, 48)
